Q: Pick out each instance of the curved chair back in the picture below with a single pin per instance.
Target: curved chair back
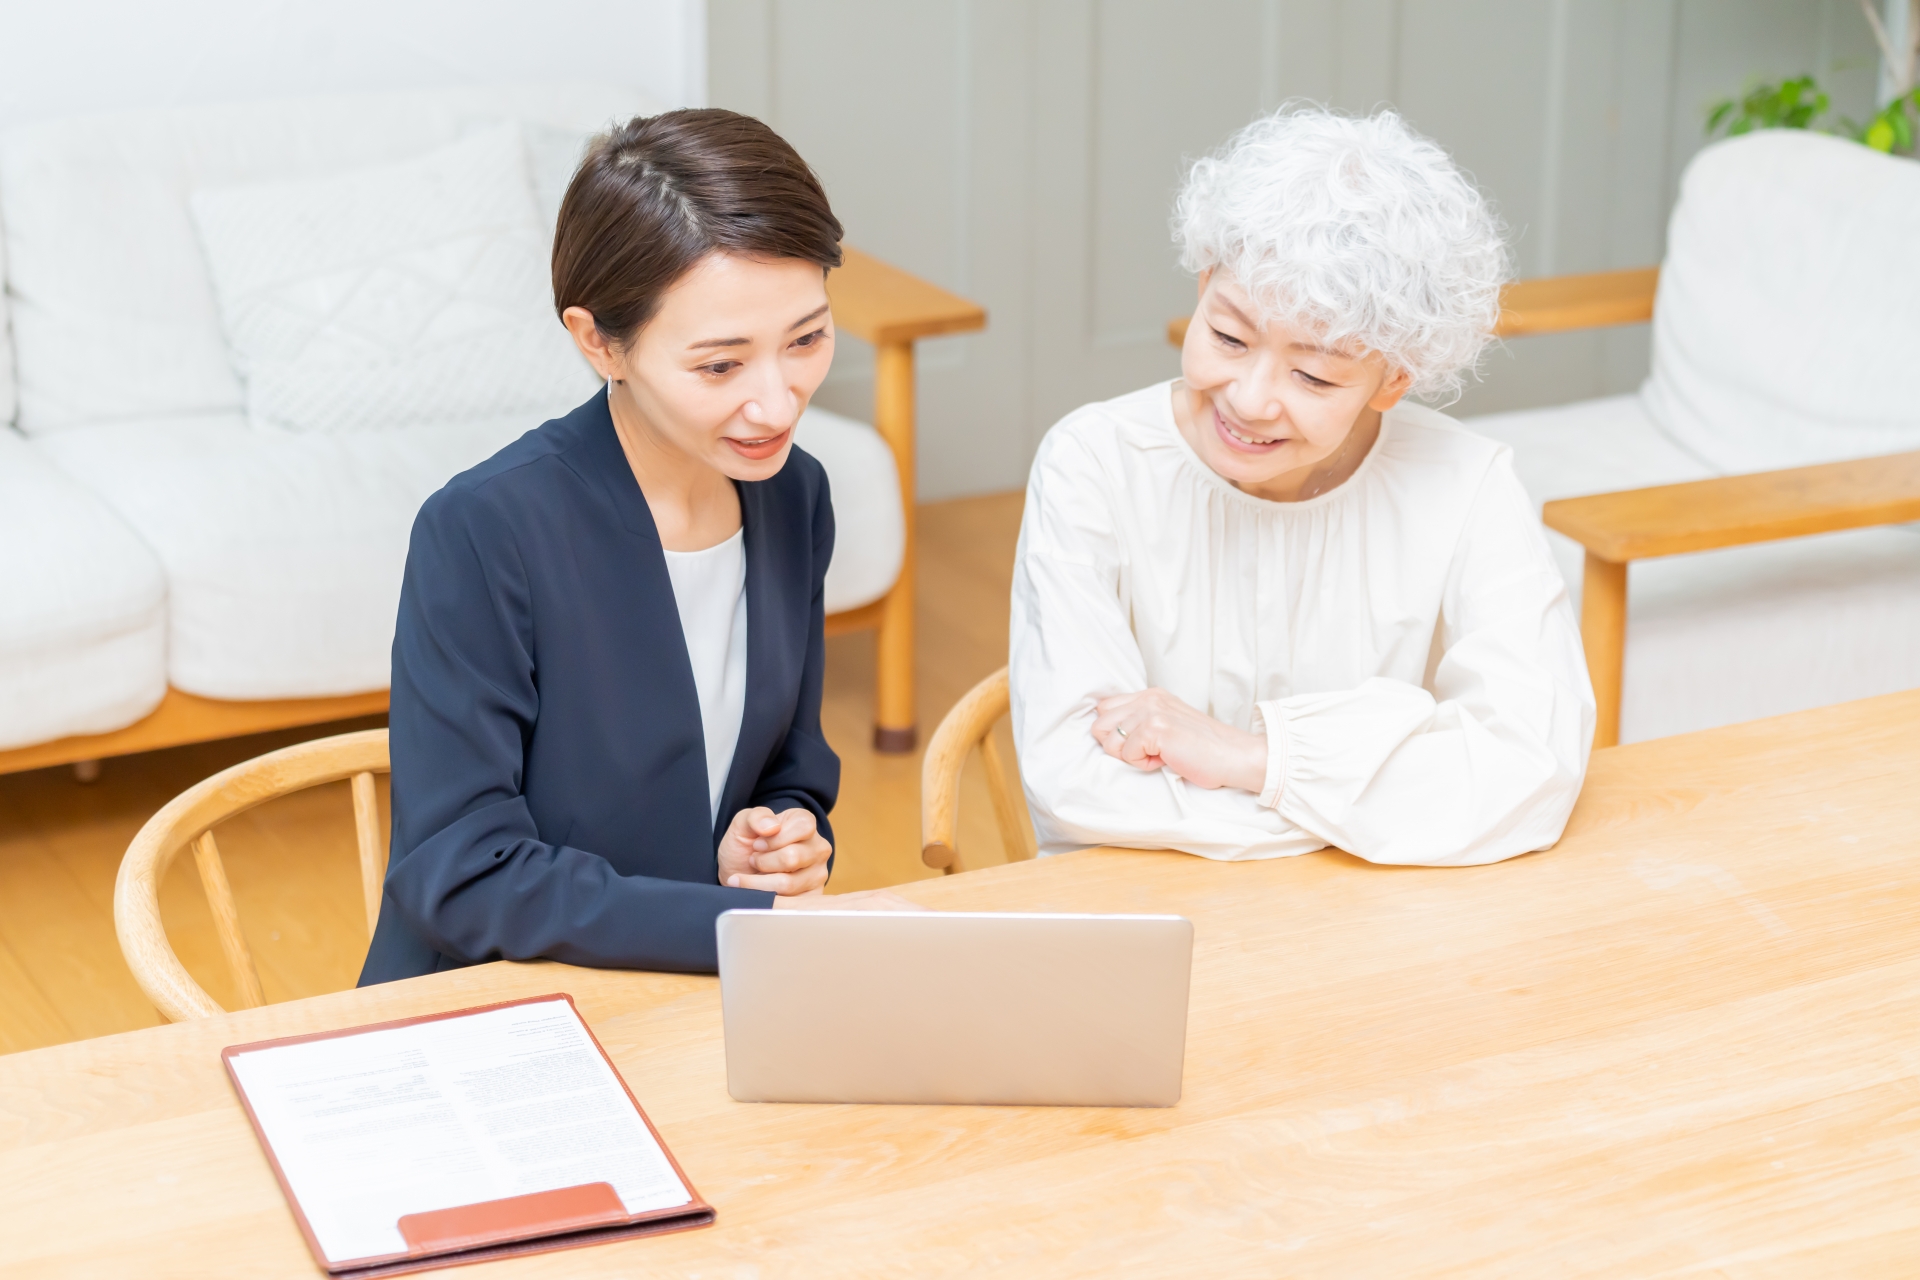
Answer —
(968, 725)
(189, 819)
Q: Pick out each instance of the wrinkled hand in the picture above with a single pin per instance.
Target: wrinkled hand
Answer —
(780, 853)
(1155, 730)
(865, 900)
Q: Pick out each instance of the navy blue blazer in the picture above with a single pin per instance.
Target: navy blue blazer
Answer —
(549, 771)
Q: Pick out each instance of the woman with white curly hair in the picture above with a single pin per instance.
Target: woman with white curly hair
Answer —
(1271, 606)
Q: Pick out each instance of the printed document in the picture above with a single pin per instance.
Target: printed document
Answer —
(445, 1113)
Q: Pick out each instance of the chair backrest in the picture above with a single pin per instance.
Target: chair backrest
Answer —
(1785, 332)
(189, 819)
(969, 725)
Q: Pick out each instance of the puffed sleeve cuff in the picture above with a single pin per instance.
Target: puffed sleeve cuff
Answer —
(1272, 717)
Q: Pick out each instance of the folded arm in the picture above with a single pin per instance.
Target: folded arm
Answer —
(1071, 647)
(1484, 766)
(1488, 763)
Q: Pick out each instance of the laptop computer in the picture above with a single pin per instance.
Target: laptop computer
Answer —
(955, 1007)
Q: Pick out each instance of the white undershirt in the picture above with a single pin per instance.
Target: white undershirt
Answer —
(710, 589)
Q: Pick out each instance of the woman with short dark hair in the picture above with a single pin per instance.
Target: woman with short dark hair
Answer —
(607, 669)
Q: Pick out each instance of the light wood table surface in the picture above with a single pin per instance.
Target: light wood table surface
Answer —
(1684, 1042)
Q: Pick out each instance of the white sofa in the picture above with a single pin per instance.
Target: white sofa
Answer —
(1786, 332)
(152, 534)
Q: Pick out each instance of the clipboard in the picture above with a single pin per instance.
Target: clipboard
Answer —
(561, 1217)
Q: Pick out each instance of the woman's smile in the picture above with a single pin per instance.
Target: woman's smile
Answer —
(762, 447)
(1239, 442)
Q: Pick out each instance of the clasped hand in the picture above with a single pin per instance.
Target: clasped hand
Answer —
(1154, 729)
(785, 854)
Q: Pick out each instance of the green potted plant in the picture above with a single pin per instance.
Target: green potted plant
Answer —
(1800, 103)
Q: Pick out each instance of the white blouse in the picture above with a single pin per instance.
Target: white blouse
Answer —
(710, 589)
(1403, 640)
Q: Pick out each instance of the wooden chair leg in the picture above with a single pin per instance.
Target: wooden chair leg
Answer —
(373, 848)
(894, 731)
(226, 921)
(1015, 835)
(1603, 631)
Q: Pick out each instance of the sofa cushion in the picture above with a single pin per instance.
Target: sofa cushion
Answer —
(100, 245)
(1786, 327)
(1718, 637)
(409, 293)
(82, 607)
(283, 552)
(870, 531)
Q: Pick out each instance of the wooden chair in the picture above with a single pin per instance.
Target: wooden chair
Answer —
(968, 725)
(189, 819)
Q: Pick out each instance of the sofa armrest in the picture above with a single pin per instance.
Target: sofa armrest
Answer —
(1553, 304)
(1730, 511)
(885, 305)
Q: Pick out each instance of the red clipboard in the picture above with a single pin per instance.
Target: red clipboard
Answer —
(563, 1218)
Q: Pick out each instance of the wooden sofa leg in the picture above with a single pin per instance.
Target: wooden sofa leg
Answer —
(893, 729)
(1603, 632)
(894, 732)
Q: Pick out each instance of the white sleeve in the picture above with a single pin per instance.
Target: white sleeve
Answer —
(1070, 646)
(1489, 764)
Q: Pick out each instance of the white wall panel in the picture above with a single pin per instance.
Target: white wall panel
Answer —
(66, 57)
(1142, 57)
(919, 119)
(1026, 154)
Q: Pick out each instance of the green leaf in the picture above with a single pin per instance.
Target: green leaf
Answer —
(1880, 135)
(1796, 103)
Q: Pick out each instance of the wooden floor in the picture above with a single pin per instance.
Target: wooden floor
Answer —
(292, 865)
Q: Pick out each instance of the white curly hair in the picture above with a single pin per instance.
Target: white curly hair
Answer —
(1357, 228)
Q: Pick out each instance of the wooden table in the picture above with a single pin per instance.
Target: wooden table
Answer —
(1686, 1041)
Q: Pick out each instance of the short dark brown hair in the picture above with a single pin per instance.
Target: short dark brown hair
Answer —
(659, 193)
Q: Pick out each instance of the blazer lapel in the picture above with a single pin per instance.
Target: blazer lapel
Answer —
(761, 719)
(773, 664)
(608, 470)
(604, 464)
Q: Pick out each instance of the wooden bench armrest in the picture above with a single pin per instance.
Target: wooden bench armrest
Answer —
(1553, 304)
(1556, 304)
(886, 305)
(1732, 511)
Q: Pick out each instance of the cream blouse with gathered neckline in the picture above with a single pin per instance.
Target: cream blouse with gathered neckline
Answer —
(1403, 640)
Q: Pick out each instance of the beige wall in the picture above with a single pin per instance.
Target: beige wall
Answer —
(1025, 154)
